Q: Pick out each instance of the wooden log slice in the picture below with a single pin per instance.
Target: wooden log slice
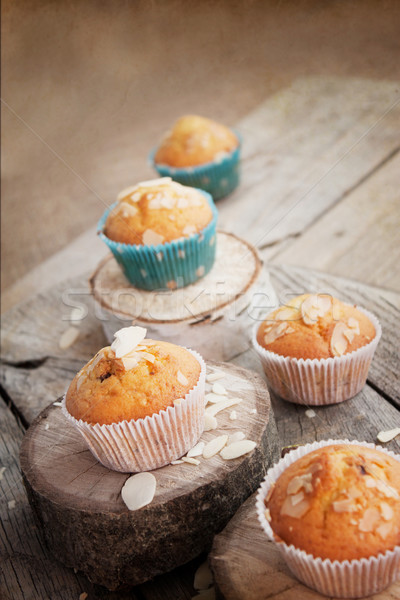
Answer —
(248, 566)
(87, 526)
(223, 305)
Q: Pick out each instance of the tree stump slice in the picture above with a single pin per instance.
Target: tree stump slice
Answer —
(85, 523)
(222, 306)
(248, 566)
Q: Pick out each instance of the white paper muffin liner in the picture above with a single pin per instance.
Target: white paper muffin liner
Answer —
(149, 443)
(342, 579)
(319, 381)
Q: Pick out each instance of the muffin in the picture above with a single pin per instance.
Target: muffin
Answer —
(161, 233)
(200, 152)
(333, 508)
(317, 349)
(139, 403)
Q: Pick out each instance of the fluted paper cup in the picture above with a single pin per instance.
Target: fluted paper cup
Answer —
(149, 443)
(319, 381)
(341, 579)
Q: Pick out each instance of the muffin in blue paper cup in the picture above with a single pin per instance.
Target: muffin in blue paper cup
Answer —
(162, 234)
(201, 153)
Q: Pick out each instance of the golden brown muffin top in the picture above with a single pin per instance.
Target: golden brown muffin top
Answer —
(195, 140)
(315, 326)
(157, 211)
(338, 502)
(132, 379)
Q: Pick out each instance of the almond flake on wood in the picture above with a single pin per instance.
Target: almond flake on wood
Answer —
(214, 398)
(387, 436)
(216, 408)
(215, 376)
(238, 436)
(83, 596)
(190, 460)
(203, 578)
(68, 338)
(214, 446)
(237, 449)
(210, 422)
(310, 413)
(197, 450)
(139, 490)
(57, 403)
(177, 462)
(219, 389)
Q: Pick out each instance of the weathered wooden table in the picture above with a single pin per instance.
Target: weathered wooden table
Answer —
(320, 199)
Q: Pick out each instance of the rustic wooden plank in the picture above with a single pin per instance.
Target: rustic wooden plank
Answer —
(304, 149)
(358, 238)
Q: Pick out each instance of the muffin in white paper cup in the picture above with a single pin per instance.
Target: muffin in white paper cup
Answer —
(149, 442)
(354, 578)
(317, 381)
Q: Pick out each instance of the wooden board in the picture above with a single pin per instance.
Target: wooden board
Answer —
(78, 506)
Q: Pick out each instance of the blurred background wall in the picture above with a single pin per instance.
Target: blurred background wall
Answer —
(89, 86)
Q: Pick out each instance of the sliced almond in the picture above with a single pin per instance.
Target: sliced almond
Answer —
(210, 422)
(370, 519)
(338, 340)
(267, 515)
(177, 462)
(286, 314)
(387, 436)
(215, 446)
(384, 530)
(237, 449)
(298, 482)
(127, 210)
(354, 325)
(68, 338)
(216, 408)
(386, 511)
(182, 379)
(310, 413)
(197, 450)
(315, 306)
(214, 398)
(127, 339)
(238, 436)
(215, 376)
(233, 415)
(345, 505)
(138, 490)
(219, 389)
(297, 498)
(190, 460)
(296, 511)
(151, 238)
(275, 333)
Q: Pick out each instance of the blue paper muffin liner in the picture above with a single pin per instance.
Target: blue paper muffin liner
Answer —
(170, 265)
(218, 178)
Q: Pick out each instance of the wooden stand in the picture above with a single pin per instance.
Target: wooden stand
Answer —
(222, 306)
(84, 521)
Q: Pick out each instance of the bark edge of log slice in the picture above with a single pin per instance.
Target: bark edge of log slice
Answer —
(84, 522)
